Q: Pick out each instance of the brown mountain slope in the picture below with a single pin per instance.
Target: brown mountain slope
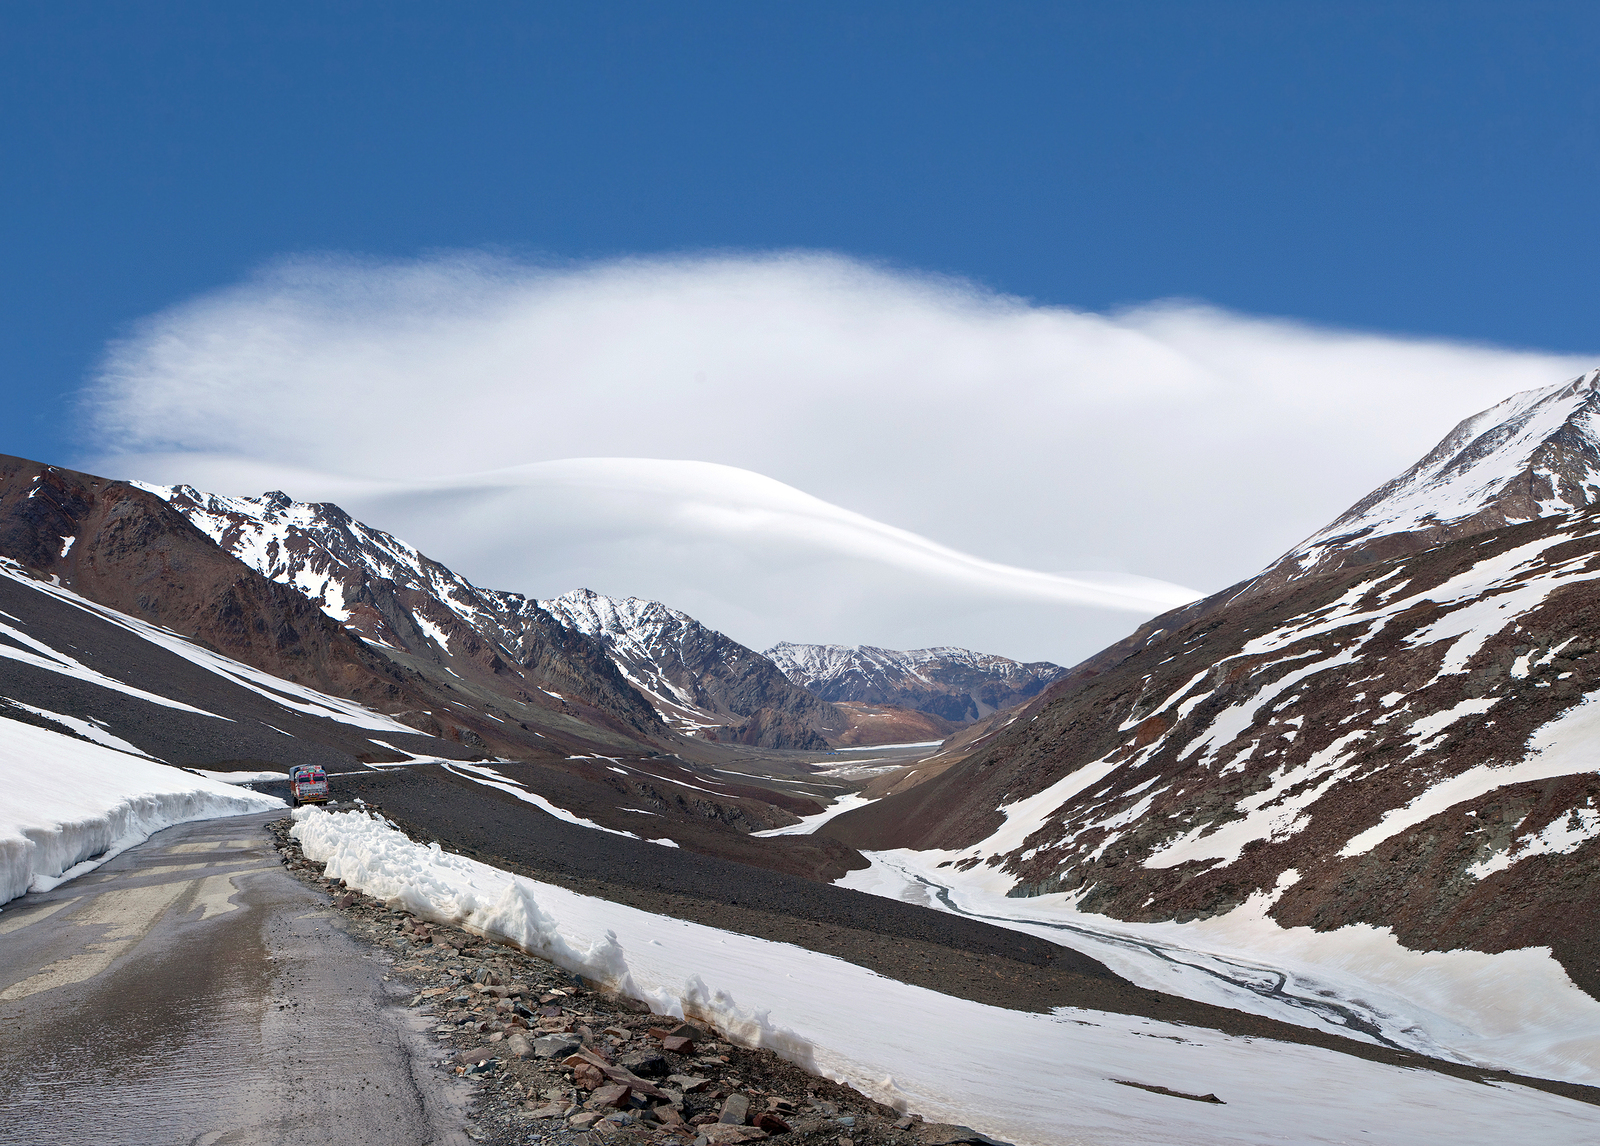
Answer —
(1404, 744)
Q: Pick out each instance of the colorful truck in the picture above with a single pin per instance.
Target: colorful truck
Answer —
(308, 784)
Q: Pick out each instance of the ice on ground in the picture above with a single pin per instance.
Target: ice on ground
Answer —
(1035, 1079)
(1513, 1010)
(69, 806)
(809, 824)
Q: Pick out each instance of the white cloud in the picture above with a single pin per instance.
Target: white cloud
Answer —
(1179, 442)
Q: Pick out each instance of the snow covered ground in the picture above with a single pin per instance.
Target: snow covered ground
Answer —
(1516, 1010)
(1033, 1079)
(809, 824)
(67, 806)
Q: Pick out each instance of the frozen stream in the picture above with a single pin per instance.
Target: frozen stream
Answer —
(1515, 1010)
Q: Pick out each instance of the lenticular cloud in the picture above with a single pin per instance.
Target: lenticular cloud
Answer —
(983, 437)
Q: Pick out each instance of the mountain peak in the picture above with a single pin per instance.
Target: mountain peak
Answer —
(1537, 454)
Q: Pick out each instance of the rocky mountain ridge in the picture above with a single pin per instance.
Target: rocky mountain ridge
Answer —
(651, 670)
(1534, 455)
(700, 681)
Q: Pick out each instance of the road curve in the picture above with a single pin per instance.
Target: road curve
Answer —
(190, 991)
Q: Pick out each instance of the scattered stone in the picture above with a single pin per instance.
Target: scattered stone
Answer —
(527, 1089)
(612, 1094)
(735, 1109)
(555, 1046)
(1171, 1093)
(944, 1134)
(646, 1065)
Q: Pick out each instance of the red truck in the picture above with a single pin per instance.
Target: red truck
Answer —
(308, 784)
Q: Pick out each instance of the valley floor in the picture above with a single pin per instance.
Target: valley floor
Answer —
(1076, 1074)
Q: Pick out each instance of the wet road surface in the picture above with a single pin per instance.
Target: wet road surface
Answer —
(190, 991)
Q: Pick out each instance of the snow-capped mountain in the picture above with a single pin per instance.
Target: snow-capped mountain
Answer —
(103, 576)
(416, 610)
(638, 662)
(956, 684)
(1533, 455)
(124, 624)
(1409, 742)
(701, 681)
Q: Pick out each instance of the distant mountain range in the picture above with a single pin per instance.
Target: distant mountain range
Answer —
(958, 685)
(1393, 724)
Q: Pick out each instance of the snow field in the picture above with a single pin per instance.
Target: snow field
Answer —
(67, 806)
(1514, 1010)
(1035, 1079)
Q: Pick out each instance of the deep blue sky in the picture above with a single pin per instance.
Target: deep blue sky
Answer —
(1428, 168)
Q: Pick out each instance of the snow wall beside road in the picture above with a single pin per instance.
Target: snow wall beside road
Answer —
(67, 806)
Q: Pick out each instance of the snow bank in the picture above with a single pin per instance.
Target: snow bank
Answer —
(1031, 1078)
(240, 777)
(67, 806)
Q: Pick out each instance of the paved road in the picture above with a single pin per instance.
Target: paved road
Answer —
(190, 991)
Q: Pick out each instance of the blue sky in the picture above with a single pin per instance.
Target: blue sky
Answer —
(1425, 168)
(898, 258)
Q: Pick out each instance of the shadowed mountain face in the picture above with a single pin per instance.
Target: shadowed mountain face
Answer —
(957, 685)
(1408, 742)
(120, 546)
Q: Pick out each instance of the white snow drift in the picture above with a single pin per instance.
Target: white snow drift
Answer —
(67, 806)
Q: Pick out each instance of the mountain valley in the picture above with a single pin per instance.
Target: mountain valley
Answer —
(1386, 737)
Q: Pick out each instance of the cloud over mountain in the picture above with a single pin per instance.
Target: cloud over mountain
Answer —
(903, 450)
